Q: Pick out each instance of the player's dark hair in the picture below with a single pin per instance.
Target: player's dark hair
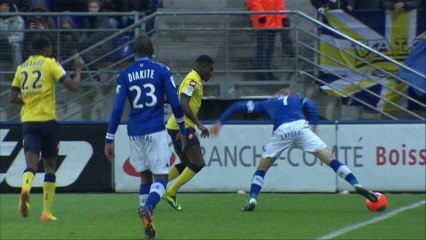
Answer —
(40, 42)
(143, 46)
(204, 59)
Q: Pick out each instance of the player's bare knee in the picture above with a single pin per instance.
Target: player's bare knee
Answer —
(265, 163)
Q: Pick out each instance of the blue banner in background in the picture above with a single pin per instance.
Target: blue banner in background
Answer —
(417, 61)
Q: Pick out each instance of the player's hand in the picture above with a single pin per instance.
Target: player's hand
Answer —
(109, 152)
(182, 139)
(78, 62)
(204, 131)
(215, 129)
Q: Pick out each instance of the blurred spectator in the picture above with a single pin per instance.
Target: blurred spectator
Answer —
(266, 27)
(324, 5)
(23, 5)
(39, 25)
(98, 29)
(11, 34)
(68, 6)
(147, 7)
(400, 5)
(363, 4)
(68, 38)
(286, 42)
(44, 4)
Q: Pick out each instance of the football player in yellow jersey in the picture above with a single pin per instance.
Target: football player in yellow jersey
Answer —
(34, 86)
(191, 158)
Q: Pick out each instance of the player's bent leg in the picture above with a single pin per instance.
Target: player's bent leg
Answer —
(176, 170)
(188, 173)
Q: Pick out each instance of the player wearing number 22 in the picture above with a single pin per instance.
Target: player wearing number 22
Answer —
(290, 128)
(34, 87)
(144, 84)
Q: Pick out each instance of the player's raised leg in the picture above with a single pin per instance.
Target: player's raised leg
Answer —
(196, 164)
(190, 171)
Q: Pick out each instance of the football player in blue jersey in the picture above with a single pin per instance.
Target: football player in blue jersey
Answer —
(144, 84)
(286, 111)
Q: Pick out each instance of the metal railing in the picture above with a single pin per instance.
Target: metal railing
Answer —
(179, 37)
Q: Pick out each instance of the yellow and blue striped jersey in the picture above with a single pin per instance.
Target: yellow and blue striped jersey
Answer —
(193, 87)
(36, 79)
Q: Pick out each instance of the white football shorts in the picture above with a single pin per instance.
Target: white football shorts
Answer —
(150, 152)
(297, 133)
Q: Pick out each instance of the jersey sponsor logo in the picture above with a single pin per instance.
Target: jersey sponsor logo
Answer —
(68, 171)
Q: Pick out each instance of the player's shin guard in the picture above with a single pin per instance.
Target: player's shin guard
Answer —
(176, 170)
(186, 175)
(27, 179)
(143, 193)
(155, 193)
(48, 192)
(343, 171)
(257, 183)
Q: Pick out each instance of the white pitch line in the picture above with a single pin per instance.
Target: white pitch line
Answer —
(373, 220)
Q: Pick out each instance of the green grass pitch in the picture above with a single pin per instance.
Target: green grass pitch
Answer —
(215, 216)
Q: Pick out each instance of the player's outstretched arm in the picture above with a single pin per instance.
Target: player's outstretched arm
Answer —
(216, 128)
(74, 83)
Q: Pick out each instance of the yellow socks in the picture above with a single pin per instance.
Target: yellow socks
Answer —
(186, 175)
(173, 173)
(48, 196)
(27, 181)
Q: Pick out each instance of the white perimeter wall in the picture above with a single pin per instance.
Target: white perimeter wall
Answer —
(384, 157)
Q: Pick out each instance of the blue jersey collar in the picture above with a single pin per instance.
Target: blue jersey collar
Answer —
(142, 58)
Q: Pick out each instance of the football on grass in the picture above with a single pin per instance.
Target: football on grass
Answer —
(378, 206)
